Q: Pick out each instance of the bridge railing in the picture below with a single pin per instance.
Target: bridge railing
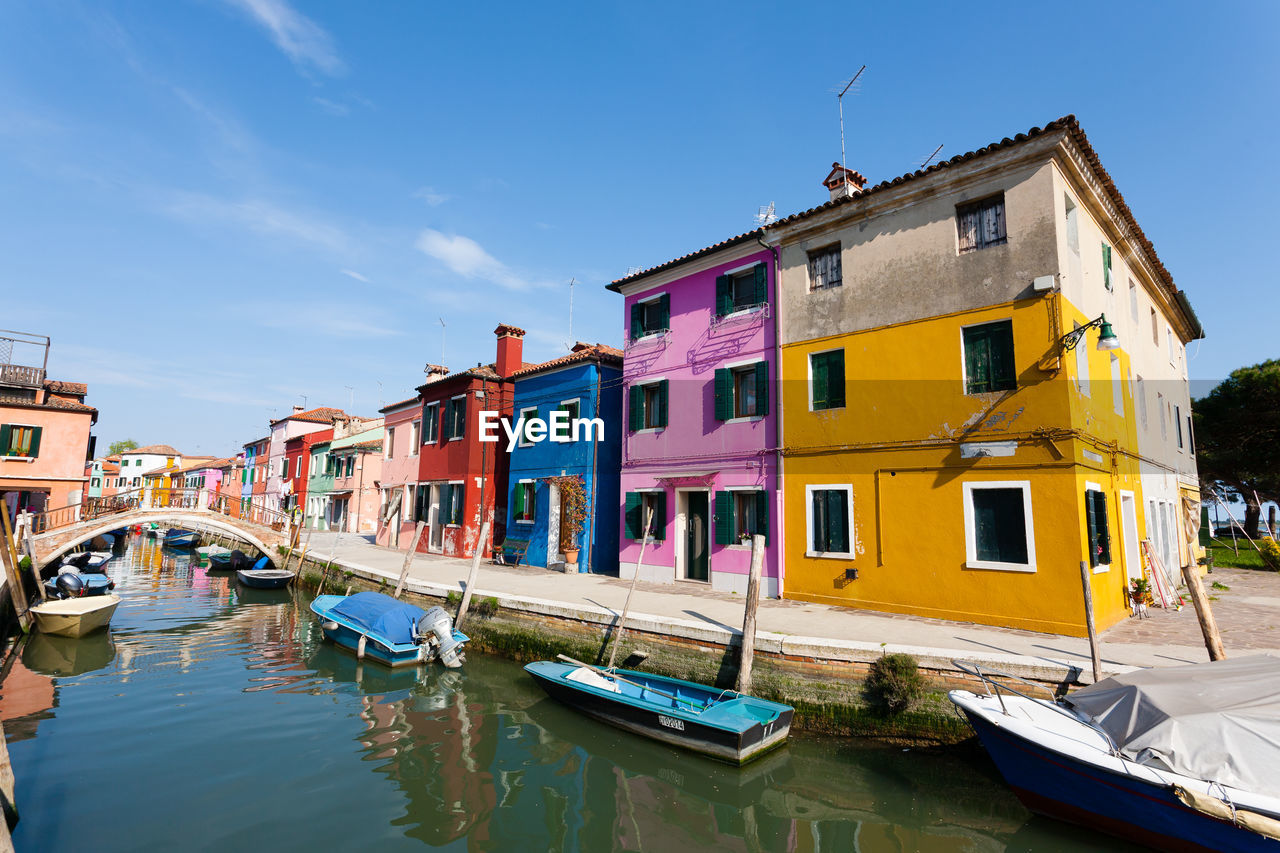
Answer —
(90, 509)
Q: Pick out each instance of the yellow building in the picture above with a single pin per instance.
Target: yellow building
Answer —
(949, 447)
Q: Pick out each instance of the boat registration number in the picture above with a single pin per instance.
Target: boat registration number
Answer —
(671, 722)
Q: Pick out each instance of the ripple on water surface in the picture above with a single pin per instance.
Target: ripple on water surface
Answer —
(213, 718)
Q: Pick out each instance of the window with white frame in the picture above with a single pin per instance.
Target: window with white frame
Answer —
(389, 449)
(651, 316)
(431, 424)
(415, 437)
(456, 418)
(1073, 224)
(1140, 391)
(284, 468)
(829, 520)
(524, 499)
(1097, 525)
(998, 526)
(1133, 300)
(526, 415)
(824, 268)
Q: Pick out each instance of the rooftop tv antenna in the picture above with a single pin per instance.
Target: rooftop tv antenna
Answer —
(573, 282)
(840, 106)
(766, 216)
(304, 400)
(929, 159)
(442, 330)
(351, 398)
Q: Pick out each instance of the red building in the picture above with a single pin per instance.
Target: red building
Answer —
(297, 454)
(462, 480)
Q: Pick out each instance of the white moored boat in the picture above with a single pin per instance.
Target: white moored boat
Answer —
(75, 617)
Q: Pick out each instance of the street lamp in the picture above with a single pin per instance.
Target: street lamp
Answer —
(1107, 339)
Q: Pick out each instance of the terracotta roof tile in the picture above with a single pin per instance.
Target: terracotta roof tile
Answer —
(58, 387)
(398, 405)
(154, 450)
(321, 415)
(617, 284)
(581, 352)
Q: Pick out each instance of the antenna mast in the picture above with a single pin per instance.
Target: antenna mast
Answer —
(931, 156)
(442, 330)
(572, 283)
(840, 106)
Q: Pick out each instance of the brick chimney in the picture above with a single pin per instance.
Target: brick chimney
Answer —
(435, 372)
(298, 409)
(510, 349)
(841, 182)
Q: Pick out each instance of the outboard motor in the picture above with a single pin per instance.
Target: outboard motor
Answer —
(436, 628)
(239, 560)
(70, 585)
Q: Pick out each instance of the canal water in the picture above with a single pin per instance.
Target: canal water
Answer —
(211, 717)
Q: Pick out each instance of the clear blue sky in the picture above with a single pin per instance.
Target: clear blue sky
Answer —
(215, 207)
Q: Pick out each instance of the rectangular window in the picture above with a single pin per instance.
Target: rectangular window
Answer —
(998, 531)
(415, 437)
(453, 503)
(1095, 506)
(1117, 386)
(738, 291)
(1164, 425)
(455, 418)
(1133, 301)
(1140, 391)
(829, 515)
(431, 420)
(284, 468)
(389, 449)
(648, 406)
(981, 224)
(824, 268)
(739, 515)
(1155, 328)
(650, 317)
(1191, 437)
(1106, 267)
(988, 358)
(1177, 423)
(1168, 337)
(96, 482)
(19, 440)
(572, 408)
(526, 415)
(1073, 225)
(638, 507)
(742, 392)
(524, 500)
(826, 380)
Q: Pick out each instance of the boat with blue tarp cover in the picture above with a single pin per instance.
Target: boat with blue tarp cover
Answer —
(722, 724)
(176, 537)
(390, 631)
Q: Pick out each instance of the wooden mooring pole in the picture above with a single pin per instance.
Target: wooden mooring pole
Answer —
(749, 618)
(408, 559)
(1088, 621)
(471, 577)
(626, 607)
(13, 572)
(1208, 626)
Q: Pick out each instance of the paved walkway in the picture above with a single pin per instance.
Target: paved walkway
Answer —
(1248, 614)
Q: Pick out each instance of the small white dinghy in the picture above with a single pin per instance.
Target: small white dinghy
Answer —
(75, 617)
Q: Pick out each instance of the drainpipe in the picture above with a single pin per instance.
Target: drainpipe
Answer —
(781, 527)
(595, 486)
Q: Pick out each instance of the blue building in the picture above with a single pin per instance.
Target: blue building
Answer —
(585, 384)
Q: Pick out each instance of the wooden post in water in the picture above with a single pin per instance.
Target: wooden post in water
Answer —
(303, 556)
(471, 578)
(749, 619)
(1208, 626)
(408, 558)
(1088, 620)
(13, 572)
(626, 608)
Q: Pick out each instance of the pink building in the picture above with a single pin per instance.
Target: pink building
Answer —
(357, 473)
(700, 437)
(400, 453)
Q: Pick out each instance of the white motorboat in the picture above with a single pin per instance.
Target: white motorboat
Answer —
(75, 617)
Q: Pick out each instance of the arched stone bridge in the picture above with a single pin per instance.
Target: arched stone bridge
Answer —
(263, 530)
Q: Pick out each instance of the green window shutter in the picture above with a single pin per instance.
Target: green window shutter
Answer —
(724, 518)
(762, 515)
(761, 295)
(660, 515)
(837, 522)
(34, 450)
(835, 379)
(662, 403)
(664, 306)
(821, 383)
(1104, 529)
(1106, 266)
(1091, 525)
(724, 295)
(6, 435)
(1004, 372)
(633, 514)
(462, 417)
(517, 498)
(762, 387)
(635, 415)
(818, 516)
(637, 324)
(724, 394)
(977, 360)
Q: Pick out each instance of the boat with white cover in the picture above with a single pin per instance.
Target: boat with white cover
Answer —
(1176, 758)
(75, 617)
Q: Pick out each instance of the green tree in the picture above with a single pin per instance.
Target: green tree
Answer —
(118, 447)
(1238, 436)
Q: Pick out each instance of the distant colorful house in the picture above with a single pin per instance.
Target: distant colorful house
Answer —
(584, 385)
(462, 480)
(134, 464)
(357, 470)
(298, 455)
(319, 485)
(300, 422)
(401, 449)
(103, 475)
(699, 448)
(253, 478)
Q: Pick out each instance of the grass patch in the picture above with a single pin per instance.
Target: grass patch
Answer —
(1220, 585)
(1223, 557)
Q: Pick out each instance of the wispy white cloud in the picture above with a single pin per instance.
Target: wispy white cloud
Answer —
(333, 108)
(430, 196)
(468, 258)
(259, 216)
(306, 43)
(325, 320)
(355, 275)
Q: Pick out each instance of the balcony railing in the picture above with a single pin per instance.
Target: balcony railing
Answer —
(21, 375)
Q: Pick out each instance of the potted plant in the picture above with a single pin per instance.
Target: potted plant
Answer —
(1140, 594)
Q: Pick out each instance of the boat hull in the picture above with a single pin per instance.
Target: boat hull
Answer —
(75, 617)
(663, 724)
(348, 637)
(181, 540)
(1058, 786)
(264, 578)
